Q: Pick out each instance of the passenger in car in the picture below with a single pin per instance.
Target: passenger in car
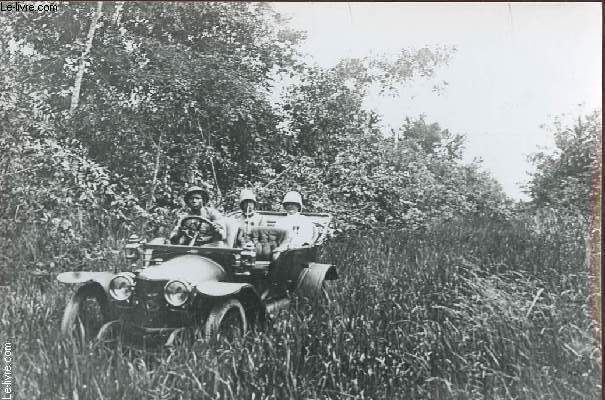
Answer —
(299, 227)
(196, 199)
(249, 218)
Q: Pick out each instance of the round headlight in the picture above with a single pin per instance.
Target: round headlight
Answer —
(176, 293)
(120, 287)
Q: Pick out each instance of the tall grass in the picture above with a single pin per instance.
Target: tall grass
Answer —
(471, 309)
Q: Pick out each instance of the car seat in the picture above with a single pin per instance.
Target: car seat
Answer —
(265, 240)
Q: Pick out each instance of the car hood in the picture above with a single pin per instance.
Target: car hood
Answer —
(188, 267)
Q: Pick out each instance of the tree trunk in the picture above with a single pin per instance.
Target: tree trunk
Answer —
(75, 97)
(117, 16)
(156, 169)
(218, 189)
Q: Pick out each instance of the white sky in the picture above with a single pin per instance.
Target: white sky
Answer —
(517, 66)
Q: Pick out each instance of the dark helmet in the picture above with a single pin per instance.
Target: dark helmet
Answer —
(204, 191)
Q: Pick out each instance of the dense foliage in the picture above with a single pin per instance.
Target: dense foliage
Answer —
(568, 178)
(113, 108)
(170, 93)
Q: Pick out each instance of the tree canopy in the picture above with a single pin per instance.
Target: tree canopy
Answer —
(565, 179)
(114, 108)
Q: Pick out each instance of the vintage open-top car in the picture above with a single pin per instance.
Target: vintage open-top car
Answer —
(222, 287)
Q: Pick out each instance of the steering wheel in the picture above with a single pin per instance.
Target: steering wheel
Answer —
(196, 229)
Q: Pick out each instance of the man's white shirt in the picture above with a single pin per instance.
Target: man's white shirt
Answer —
(300, 229)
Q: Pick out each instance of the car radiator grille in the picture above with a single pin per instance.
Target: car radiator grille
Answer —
(150, 294)
(151, 309)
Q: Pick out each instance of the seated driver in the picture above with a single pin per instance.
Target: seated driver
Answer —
(299, 227)
(186, 227)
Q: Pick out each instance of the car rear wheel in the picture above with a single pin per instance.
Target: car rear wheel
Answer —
(312, 285)
(226, 319)
(84, 315)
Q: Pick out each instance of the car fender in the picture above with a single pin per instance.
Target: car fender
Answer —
(311, 279)
(221, 289)
(81, 277)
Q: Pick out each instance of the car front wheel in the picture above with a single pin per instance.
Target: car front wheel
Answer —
(84, 314)
(226, 319)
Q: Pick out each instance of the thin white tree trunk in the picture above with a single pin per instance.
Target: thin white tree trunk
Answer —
(75, 97)
(218, 189)
(117, 16)
(156, 170)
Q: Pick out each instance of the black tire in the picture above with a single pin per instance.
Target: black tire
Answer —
(84, 314)
(311, 284)
(226, 319)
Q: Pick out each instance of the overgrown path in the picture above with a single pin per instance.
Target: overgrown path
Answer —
(465, 310)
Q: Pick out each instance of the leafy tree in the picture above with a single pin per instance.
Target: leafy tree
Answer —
(339, 157)
(171, 93)
(117, 106)
(564, 179)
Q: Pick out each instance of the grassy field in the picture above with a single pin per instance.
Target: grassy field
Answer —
(469, 310)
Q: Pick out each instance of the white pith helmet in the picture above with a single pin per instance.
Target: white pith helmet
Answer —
(247, 194)
(293, 197)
